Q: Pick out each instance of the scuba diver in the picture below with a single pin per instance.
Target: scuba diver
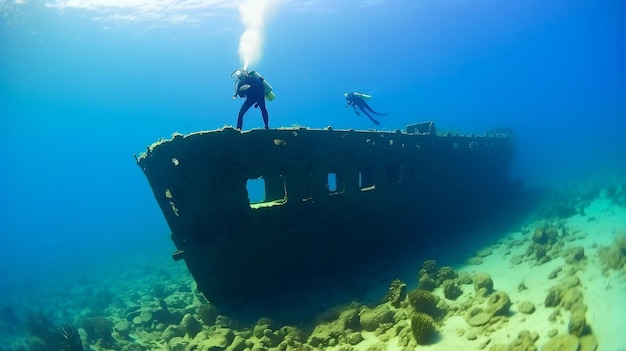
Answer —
(254, 88)
(358, 99)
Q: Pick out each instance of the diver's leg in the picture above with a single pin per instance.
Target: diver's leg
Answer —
(365, 105)
(242, 111)
(370, 117)
(264, 113)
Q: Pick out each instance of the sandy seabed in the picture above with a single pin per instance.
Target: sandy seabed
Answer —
(554, 284)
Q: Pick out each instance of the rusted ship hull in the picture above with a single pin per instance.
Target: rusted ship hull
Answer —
(334, 199)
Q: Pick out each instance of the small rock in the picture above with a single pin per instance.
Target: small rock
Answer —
(554, 297)
(471, 336)
(575, 255)
(354, 338)
(570, 282)
(171, 332)
(190, 325)
(577, 323)
(522, 286)
(475, 261)
(484, 253)
(515, 260)
(122, 327)
(555, 273)
(477, 317)
(484, 344)
(552, 332)
(588, 343)
(564, 342)
(177, 344)
(526, 307)
(464, 278)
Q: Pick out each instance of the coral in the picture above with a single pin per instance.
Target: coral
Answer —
(575, 254)
(98, 328)
(349, 319)
(423, 327)
(372, 318)
(424, 301)
(326, 335)
(614, 256)
(445, 273)
(427, 276)
(396, 293)
(477, 316)
(539, 236)
(545, 243)
(354, 338)
(69, 339)
(498, 303)
(483, 281)
(427, 283)
(451, 290)
(429, 267)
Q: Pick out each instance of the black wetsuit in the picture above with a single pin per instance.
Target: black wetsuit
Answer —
(354, 101)
(254, 96)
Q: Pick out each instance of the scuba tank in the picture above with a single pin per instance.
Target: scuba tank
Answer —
(362, 96)
(267, 88)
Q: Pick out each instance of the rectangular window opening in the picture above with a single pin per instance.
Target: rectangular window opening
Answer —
(366, 179)
(331, 182)
(266, 191)
(335, 183)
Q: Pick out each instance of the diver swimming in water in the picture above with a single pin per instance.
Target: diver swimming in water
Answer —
(355, 99)
(251, 86)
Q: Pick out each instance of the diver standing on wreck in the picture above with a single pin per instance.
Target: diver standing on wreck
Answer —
(255, 89)
(358, 100)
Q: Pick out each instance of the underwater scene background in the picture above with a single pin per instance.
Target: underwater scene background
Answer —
(84, 85)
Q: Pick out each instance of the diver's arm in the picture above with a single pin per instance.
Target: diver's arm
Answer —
(355, 111)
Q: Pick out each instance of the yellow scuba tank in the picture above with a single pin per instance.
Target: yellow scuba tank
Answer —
(362, 96)
(267, 88)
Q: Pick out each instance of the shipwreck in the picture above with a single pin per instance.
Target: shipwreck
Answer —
(326, 200)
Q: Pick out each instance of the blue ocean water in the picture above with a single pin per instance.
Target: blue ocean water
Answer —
(84, 85)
